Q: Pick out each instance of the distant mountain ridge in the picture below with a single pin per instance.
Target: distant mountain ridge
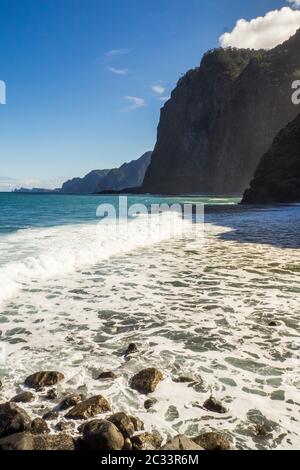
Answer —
(86, 185)
(36, 190)
(221, 118)
(129, 175)
(277, 178)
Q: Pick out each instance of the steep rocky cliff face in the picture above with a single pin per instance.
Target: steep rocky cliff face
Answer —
(129, 175)
(277, 178)
(221, 118)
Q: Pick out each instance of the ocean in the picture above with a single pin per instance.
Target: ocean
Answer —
(224, 311)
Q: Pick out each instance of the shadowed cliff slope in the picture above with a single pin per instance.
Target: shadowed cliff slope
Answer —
(221, 118)
(277, 178)
(128, 175)
(86, 185)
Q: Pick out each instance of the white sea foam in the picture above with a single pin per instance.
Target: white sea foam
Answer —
(37, 254)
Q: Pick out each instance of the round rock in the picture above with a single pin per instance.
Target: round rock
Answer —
(107, 376)
(13, 419)
(89, 408)
(212, 441)
(146, 441)
(70, 401)
(102, 435)
(146, 380)
(123, 422)
(23, 397)
(215, 406)
(43, 379)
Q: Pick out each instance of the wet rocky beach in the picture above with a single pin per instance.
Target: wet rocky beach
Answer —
(219, 323)
(77, 422)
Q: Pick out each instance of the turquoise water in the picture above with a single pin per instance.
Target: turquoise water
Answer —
(20, 211)
(73, 295)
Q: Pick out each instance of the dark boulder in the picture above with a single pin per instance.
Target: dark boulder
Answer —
(127, 444)
(146, 441)
(43, 379)
(107, 376)
(13, 419)
(183, 379)
(137, 423)
(28, 441)
(148, 404)
(212, 441)
(146, 380)
(102, 435)
(23, 397)
(132, 349)
(64, 426)
(51, 394)
(53, 442)
(39, 426)
(181, 442)
(50, 416)
(124, 424)
(89, 408)
(213, 405)
(70, 401)
(19, 441)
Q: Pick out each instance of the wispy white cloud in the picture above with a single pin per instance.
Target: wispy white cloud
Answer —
(135, 102)
(9, 184)
(264, 32)
(2, 92)
(116, 71)
(158, 89)
(294, 3)
(164, 98)
(117, 52)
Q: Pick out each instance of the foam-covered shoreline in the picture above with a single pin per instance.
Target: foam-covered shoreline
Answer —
(225, 315)
(39, 254)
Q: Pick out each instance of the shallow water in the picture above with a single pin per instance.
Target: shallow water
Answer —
(73, 302)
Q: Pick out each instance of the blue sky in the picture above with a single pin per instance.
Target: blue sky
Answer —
(80, 76)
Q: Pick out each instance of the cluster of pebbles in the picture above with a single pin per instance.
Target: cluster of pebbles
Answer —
(79, 426)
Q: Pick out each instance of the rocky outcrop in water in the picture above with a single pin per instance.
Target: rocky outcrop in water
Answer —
(89, 408)
(109, 375)
(23, 397)
(146, 380)
(70, 401)
(221, 118)
(43, 379)
(214, 406)
(277, 178)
